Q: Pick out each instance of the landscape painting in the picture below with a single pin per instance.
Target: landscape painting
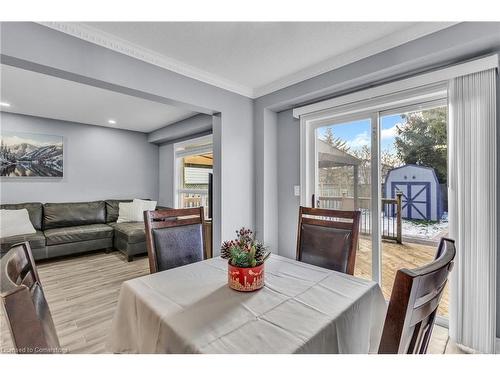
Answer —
(31, 155)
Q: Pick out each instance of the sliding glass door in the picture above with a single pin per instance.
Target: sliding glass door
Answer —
(391, 164)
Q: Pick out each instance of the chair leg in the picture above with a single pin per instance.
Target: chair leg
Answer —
(130, 258)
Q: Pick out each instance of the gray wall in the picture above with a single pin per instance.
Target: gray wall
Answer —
(288, 176)
(99, 163)
(166, 175)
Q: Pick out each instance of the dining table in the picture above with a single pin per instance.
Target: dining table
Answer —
(301, 309)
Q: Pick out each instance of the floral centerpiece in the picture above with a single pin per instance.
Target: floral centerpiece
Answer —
(246, 258)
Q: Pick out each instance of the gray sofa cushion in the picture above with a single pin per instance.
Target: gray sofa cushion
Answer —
(36, 240)
(60, 215)
(79, 233)
(133, 232)
(112, 208)
(35, 212)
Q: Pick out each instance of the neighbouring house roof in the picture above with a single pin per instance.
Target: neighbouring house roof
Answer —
(330, 156)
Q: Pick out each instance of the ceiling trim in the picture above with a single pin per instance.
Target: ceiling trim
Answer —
(125, 47)
(120, 45)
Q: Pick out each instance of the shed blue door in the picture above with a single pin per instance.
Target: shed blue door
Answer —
(416, 199)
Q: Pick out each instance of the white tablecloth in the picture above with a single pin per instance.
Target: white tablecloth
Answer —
(302, 309)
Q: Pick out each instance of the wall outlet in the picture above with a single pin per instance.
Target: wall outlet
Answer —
(296, 190)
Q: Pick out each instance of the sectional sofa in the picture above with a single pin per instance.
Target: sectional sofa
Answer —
(71, 228)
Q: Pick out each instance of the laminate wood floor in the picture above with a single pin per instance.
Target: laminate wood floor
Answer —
(82, 293)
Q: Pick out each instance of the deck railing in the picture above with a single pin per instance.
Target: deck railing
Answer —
(189, 198)
(390, 215)
(392, 223)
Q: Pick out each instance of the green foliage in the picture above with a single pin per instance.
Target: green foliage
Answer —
(241, 258)
(244, 251)
(422, 140)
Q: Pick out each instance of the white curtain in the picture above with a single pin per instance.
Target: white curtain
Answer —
(473, 209)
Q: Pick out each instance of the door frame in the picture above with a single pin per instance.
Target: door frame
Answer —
(374, 107)
(180, 152)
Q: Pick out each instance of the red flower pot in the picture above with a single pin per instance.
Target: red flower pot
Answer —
(245, 279)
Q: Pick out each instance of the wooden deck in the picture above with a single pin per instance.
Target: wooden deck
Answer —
(394, 257)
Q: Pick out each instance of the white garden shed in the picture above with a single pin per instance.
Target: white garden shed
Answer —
(421, 192)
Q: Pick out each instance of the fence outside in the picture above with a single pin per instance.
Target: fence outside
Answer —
(390, 215)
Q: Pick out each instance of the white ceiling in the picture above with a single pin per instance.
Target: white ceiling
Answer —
(36, 94)
(252, 58)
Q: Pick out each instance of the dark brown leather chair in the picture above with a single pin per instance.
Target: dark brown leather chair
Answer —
(24, 304)
(414, 302)
(174, 237)
(328, 238)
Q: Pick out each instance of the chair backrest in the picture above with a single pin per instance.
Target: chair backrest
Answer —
(414, 302)
(24, 304)
(174, 237)
(328, 238)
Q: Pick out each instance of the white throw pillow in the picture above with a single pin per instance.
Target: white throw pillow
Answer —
(145, 205)
(134, 211)
(126, 212)
(15, 222)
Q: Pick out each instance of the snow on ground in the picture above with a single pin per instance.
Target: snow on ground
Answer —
(425, 230)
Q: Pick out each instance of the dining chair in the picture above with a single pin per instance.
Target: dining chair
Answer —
(328, 238)
(414, 302)
(174, 237)
(24, 305)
